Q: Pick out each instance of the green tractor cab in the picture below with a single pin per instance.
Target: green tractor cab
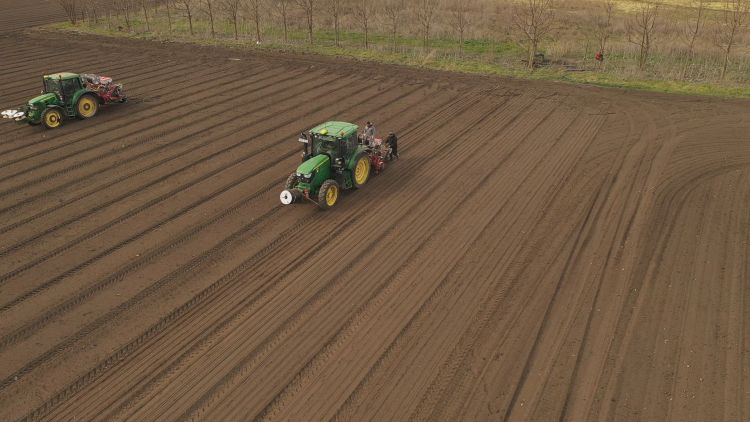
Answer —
(333, 160)
(67, 96)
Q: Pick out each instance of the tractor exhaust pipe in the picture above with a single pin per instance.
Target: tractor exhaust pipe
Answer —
(291, 196)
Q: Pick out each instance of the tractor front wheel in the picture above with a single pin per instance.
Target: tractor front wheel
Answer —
(361, 171)
(52, 118)
(87, 106)
(328, 194)
(291, 181)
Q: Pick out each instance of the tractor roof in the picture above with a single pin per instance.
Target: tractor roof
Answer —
(61, 75)
(338, 129)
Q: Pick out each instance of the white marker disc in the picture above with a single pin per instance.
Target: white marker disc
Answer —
(286, 197)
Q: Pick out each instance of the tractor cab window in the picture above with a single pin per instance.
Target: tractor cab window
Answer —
(51, 85)
(326, 145)
(70, 86)
(348, 144)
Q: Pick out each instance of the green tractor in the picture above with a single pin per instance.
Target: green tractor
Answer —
(67, 96)
(334, 159)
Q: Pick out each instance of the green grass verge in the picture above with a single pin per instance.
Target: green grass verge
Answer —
(479, 57)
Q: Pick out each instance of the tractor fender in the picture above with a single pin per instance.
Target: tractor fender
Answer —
(78, 95)
(354, 158)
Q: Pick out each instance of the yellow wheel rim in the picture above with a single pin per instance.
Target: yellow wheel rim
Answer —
(362, 171)
(86, 107)
(331, 195)
(53, 119)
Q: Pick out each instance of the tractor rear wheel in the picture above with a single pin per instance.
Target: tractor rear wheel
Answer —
(328, 194)
(52, 118)
(87, 106)
(361, 171)
(291, 181)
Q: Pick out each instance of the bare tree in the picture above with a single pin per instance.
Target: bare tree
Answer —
(603, 25)
(254, 8)
(640, 28)
(70, 7)
(282, 9)
(123, 7)
(695, 20)
(535, 20)
(694, 23)
(392, 10)
(425, 13)
(308, 7)
(91, 13)
(109, 18)
(732, 20)
(335, 9)
(232, 9)
(168, 4)
(187, 6)
(459, 20)
(145, 15)
(210, 12)
(363, 11)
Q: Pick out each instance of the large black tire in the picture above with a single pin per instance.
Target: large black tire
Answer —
(291, 181)
(361, 171)
(52, 118)
(87, 106)
(328, 195)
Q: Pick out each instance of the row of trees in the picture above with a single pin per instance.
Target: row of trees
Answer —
(724, 30)
(532, 21)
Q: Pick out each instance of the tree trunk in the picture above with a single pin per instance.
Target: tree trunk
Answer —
(145, 15)
(726, 62)
(336, 30)
(211, 18)
(169, 17)
(190, 21)
(286, 30)
(127, 17)
(257, 25)
(366, 40)
(310, 26)
(461, 41)
(532, 53)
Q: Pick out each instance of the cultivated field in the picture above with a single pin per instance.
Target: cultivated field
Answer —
(539, 252)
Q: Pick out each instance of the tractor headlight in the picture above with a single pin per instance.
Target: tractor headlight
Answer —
(306, 176)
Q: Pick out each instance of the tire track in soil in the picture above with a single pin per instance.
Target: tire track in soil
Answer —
(91, 133)
(520, 141)
(29, 199)
(270, 186)
(164, 84)
(23, 94)
(8, 306)
(332, 286)
(62, 203)
(180, 109)
(309, 373)
(413, 343)
(162, 146)
(244, 267)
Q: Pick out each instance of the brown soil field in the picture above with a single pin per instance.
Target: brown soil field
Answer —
(539, 252)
